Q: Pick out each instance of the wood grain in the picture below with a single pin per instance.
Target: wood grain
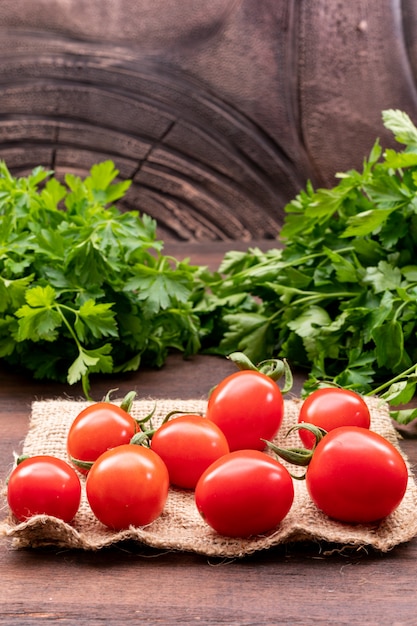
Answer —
(219, 114)
(129, 583)
(303, 585)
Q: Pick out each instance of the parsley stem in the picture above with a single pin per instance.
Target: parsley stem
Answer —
(404, 374)
(255, 271)
(58, 308)
(316, 296)
(399, 309)
(84, 377)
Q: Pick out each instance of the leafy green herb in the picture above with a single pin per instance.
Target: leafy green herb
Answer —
(339, 296)
(85, 288)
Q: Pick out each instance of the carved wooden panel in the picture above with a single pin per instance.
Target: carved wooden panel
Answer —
(218, 111)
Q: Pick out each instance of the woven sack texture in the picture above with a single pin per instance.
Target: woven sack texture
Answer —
(180, 527)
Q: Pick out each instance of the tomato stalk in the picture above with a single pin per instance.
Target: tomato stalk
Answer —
(143, 437)
(21, 458)
(298, 456)
(127, 401)
(82, 465)
(18, 460)
(273, 368)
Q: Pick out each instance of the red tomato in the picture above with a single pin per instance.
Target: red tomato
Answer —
(98, 428)
(44, 485)
(188, 445)
(244, 493)
(330, 408)
(248, 407)
(127, 485)
(356, 475)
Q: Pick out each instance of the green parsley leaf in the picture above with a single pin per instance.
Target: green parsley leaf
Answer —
(83, 285)
(338, 294)
(401, 125)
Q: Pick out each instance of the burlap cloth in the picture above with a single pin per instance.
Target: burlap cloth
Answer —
(180, 526)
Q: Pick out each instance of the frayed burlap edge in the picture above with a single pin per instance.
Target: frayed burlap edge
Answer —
(180, 527)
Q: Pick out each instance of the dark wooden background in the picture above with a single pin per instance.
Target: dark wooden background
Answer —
(219, 111)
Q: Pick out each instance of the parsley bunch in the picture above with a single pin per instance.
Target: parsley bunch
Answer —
(340, 296)
(83, 287)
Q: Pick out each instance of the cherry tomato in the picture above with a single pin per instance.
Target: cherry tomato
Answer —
(98, 428)
(44, 485)
(330, 408)
(356, 475)
(127, 485)
(248, 407)
(188, 444)
(244, 493)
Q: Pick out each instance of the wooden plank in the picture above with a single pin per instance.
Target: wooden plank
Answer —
(258, 97)
(129, 583)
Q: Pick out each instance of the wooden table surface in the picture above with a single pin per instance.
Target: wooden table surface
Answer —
(297, 585)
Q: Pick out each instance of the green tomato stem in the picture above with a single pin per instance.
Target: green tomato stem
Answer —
(298, 456)
(273, 368)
